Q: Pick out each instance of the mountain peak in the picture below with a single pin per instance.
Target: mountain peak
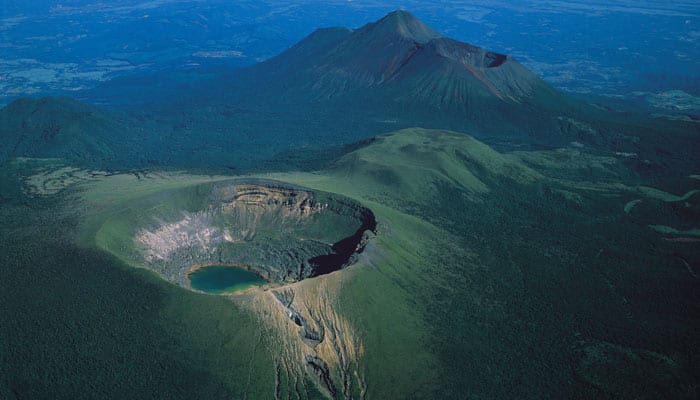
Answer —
(398, 63)
(406, 25)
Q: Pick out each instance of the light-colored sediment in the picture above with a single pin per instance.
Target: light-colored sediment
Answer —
(667, 230)
(312, 331)
(194, 231)
(657, 194)
(631, 204)
(281, 232)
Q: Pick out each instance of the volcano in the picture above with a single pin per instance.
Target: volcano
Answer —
(399, 72)
(273, 234)
(396, 52)
(336, 87)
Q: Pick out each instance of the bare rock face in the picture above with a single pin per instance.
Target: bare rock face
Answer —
(282, 232)
(319, 372)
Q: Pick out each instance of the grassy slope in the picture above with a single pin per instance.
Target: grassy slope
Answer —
(487, 280)
(526, 289)
(78, 323)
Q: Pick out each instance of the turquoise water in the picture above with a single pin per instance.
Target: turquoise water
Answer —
(218, 279)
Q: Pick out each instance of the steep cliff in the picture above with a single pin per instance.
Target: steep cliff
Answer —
(281, 232)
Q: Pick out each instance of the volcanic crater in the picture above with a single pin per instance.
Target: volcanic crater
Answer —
(281, 232)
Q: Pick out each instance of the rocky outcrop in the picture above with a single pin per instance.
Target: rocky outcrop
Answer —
(310, 335)
(318, 370)
(282, 232)
(317, 344)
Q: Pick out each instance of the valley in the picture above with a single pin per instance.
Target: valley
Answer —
(344, 222)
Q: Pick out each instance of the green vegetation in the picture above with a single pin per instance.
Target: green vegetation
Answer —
(657, 194)
(284, 233)
(672, 231)
(553, 261)
(303, 108)
(78, 323)
(490, 277)
(630, 205)
(512, 282)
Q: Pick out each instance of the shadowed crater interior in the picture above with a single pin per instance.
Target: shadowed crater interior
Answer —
(281, 232)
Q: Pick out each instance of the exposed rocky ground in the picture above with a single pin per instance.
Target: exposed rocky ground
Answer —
(281, 232)
(285, 234)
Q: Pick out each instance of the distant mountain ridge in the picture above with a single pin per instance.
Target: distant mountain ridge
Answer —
(397, 73)
(399, 50)
(337, 87)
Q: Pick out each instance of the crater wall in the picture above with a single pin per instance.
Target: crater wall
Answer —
(282, 232)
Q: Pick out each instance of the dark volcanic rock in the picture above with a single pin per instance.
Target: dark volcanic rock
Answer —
(282, 232)
(320, 374)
